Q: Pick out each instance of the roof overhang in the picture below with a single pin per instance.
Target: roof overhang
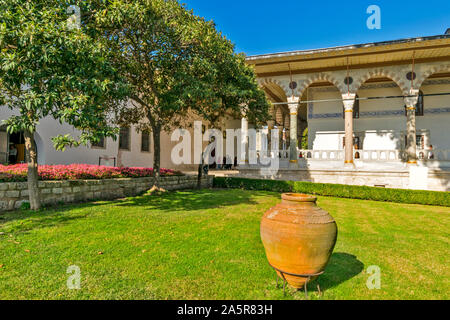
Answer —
(397, 52)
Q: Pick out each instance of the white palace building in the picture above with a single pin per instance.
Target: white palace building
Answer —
(375, 114)
(390, 100)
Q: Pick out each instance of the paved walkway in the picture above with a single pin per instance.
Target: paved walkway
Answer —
(217, 173)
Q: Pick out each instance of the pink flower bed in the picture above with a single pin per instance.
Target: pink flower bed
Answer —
(18, 172)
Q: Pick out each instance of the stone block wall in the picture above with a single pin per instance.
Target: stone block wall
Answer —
(14, 194)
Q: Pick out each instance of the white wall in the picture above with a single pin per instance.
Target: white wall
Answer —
(381, 132)
(47, 154)
(48, 128)
(329, 141)
(439, 123)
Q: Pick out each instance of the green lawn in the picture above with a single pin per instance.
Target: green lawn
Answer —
(206, 245)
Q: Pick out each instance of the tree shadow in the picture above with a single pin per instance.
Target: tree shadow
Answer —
(341, 268)
(187, 200)
(191, 200)
(27, 220)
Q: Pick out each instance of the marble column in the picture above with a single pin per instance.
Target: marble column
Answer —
(293, 111)
(244, 141)
(349, 101)
(411, 146)
(270, 127)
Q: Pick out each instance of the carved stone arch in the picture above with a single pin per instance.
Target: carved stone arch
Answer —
(422, 77)
(321, 77)
(379, 72)
(283, 85)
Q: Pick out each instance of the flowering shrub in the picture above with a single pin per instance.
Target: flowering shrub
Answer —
(18, 172)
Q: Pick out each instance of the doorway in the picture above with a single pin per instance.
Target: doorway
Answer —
(16, 148)
(12, 147)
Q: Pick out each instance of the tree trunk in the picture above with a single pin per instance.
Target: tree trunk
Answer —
(200, 173)
(33, 187)
(156, 132)
(119, 158)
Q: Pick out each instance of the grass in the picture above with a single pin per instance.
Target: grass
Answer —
(206, 245)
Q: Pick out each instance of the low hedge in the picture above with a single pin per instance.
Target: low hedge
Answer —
(337, 190)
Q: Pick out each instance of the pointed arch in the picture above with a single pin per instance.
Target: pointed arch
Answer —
(321, 77)
(428, 73)
(381, 73)
(274, 86)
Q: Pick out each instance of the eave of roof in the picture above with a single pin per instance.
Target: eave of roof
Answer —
(369, 55)
(253, 59)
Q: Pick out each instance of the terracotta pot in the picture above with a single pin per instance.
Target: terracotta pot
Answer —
(299, 237)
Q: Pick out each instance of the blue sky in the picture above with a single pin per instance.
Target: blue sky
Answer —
(264, 26)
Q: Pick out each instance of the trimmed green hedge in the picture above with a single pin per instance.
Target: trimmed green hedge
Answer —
(336, 190)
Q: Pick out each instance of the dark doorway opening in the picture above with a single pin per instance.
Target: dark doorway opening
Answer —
(16, 148)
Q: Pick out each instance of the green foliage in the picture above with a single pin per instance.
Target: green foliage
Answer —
(177, 65)
(341, 191)
(305, 139)
(48, 68)
(25, 206)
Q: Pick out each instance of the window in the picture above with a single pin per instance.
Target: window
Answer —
(124, 139)
(100, 144)
(145, 142)
(356, 142)
(420, 142)
(419, 106)
(355, 109)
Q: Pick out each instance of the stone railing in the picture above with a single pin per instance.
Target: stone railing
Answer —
(379, 155)
(364, 155)
(14, 194)
(320, 155)
(430, 155)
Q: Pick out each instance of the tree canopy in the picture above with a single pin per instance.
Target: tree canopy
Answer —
(49, 67)
(167, 62)
(176, 64)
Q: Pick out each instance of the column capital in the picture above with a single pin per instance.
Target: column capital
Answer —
(412, 99)
(293, 99)
(349, 101)
(293, 109)
(293, 104)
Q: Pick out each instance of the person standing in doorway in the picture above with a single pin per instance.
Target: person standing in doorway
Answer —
(12, 154)
(430, 153)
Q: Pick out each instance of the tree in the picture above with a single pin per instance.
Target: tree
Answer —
(176, 65)
(304, 142)
(50, 67)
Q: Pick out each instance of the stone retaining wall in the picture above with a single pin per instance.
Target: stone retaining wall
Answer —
(14, 194)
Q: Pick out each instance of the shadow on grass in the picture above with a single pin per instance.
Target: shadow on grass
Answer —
(342, 267)
(26, 220)
(189, 200)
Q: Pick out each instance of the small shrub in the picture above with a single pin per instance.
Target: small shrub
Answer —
(25, 206)
(336, 190)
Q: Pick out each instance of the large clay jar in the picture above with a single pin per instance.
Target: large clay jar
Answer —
(299, 237)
